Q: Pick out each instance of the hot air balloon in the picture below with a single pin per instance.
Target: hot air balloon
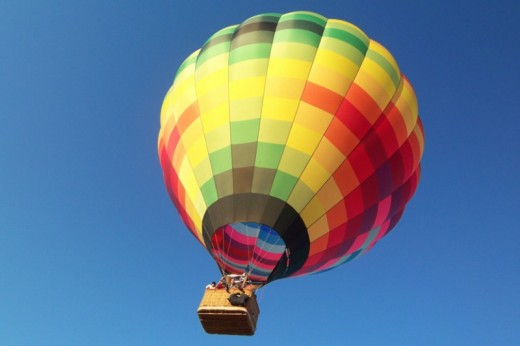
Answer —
(290, 144)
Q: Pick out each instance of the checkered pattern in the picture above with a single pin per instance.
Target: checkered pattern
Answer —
(301, 108)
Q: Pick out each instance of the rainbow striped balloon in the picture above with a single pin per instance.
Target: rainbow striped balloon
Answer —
(290, 144)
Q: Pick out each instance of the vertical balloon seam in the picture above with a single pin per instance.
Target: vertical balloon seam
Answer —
(346, 159)
(294, 251)
(217, 256)
(250, 259)
(360, 139)
(298, 106)
(181, 141)
(263, 97)
(296, 113)
(264, 84)
(323, 134)
(322, 138)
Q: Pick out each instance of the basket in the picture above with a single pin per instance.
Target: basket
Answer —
(218, 316)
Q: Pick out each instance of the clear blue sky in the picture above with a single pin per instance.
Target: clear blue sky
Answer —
(93, 253)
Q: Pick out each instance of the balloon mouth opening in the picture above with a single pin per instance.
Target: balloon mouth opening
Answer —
(247, 247)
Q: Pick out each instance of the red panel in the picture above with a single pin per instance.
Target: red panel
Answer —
(321, 97)
(353, 119)
(341, 137)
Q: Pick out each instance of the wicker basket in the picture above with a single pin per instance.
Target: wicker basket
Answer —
(218, 316)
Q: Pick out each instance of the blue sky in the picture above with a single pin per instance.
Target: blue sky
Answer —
(93, 253)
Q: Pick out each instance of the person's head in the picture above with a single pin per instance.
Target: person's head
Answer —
(213, 283)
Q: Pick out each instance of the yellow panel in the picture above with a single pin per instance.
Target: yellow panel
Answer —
(293, 162)
(184, 89)
(274, 131)
(247, 87)
(312, 212)
(303, 139)
(167, 107)
(218, 138)
(313, 118)
(381, 50)
(335, 62)
(178, 157)
(195, 218)
(291, 50)
(208, 83)
(279, 108)
(192, 134)
(329, 195)
(324, 76)
(211, 65)
(380, 87)
(290, 88)
(328, 156)
(197, 151)
(300, 196)
(216, 117)
(318, 228)
(289, 68)
(203, 171)
(190, 184)
(217, 98)
(314, 175)
(167, 128)
(248, 68)
(194, 213)
(246, 109)
(213, 95)
(183, 101)
(410, 113)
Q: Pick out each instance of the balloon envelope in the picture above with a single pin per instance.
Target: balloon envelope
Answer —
(290, 144)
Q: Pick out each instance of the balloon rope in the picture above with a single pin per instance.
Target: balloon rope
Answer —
(260, 258)
(230, 240)
(248, 267)
(217, 251)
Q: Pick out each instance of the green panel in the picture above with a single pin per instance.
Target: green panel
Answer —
(293, 161)
(209, 192)
(244, 131)
(298, 36)
(346, 37)
(217, 44)
(268, 155)
(221, 160)
(264, 17)
(307, 16)
(223, 35)
(260, 36)
(283, 185)
(251, 51)
(214, 51)
(344, 49)
(381, 61)
(189, 61)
